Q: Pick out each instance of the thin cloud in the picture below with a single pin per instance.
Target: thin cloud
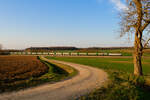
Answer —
(119, 5)
(99, 1)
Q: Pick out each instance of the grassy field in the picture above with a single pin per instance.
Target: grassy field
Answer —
(122, 85)
(20, 72)
(114, 63)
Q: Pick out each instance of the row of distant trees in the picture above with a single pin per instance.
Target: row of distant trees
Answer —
(47, 49)
(50, 49)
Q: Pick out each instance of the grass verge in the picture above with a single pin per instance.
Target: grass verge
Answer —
(64, 71)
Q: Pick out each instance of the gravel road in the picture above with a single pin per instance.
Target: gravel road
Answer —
(87, 80)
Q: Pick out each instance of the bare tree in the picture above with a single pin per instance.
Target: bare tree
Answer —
(136, 19)
(0, 46)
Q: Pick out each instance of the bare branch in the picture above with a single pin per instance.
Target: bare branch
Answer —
(146, 43)
(0, 46)
(145, 25)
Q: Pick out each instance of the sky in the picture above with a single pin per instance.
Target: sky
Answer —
(80, 23)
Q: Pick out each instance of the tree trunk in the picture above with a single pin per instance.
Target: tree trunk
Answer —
(137, 65)
(138, 55)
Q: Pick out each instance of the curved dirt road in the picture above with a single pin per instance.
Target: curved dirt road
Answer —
(87, 79)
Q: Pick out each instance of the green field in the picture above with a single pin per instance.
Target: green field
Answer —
(122, 85)
(114, 63)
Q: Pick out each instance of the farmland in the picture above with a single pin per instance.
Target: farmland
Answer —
(19, 72)
(16, 70)
(122, 85)
(114, 63)
(20, 68)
